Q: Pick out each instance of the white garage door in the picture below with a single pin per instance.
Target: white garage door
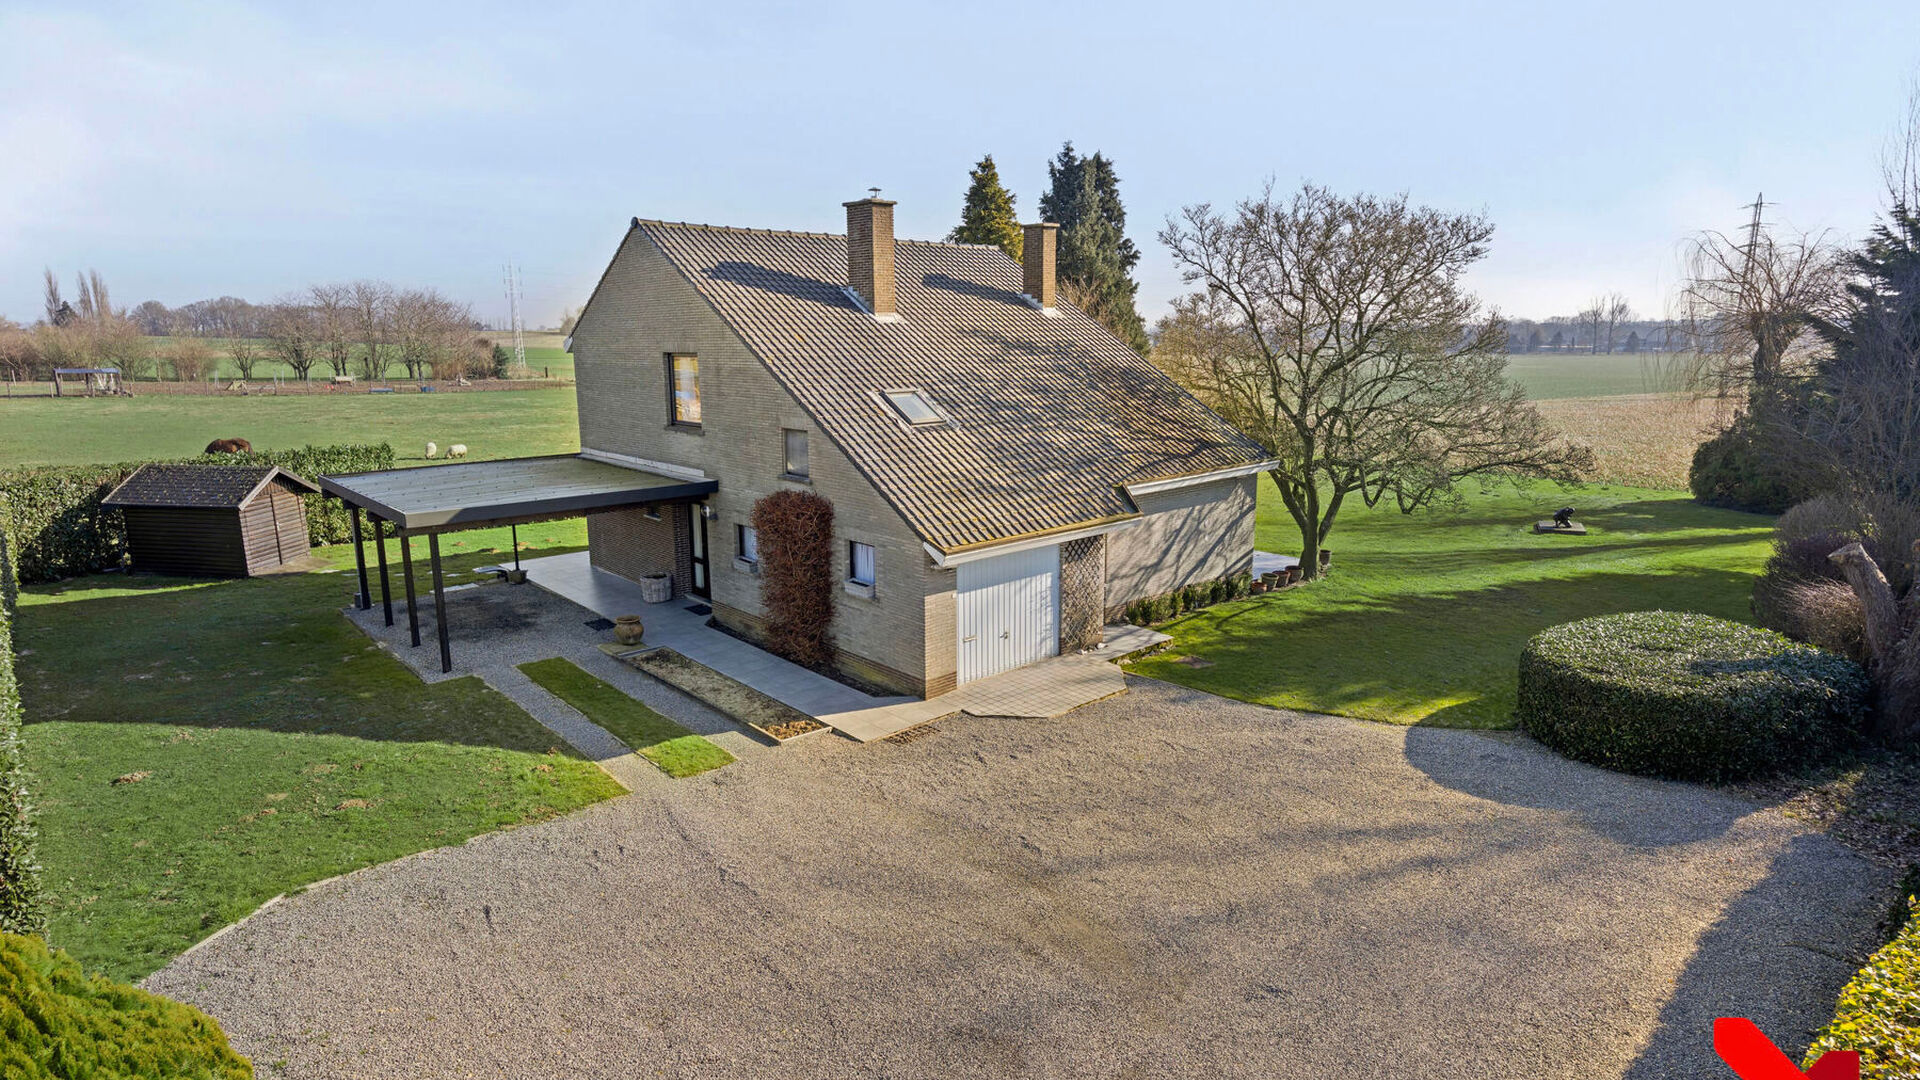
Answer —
(1009, 607)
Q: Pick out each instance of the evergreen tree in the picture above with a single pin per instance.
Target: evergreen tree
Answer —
(1096, 258)
(988, 217)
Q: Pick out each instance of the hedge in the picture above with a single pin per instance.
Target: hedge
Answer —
(1158, 609)
(1879, 1010)
(22, 910)
(59, 1022)
(1687, 696)
(63, 531)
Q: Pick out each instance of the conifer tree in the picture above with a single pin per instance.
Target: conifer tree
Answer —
(1096, 258)
(988, 217)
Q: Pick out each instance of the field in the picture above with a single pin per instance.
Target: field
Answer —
(1549, 376)
(493, 424)
(1443, 602)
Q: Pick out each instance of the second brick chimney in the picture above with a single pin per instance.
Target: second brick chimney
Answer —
(870, 254)
(1039, 260)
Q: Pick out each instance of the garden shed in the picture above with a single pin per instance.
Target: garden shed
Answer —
(213, 520)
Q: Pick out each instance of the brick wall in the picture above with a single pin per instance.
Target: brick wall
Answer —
(644, 310)
(1187, 535)
(628, 543)
(1083, 588)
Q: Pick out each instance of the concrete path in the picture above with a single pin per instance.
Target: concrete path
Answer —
(1164, 884)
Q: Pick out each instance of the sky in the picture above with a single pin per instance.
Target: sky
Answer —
(191, 150)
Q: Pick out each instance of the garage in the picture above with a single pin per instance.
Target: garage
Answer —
(1008, 611)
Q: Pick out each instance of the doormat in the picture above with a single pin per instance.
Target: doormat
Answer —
(599, 624)
(700, 609)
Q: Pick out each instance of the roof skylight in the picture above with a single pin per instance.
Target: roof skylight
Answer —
(913, 406)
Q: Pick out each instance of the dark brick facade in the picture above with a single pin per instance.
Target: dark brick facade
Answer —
(631, 544)
(1083, 593)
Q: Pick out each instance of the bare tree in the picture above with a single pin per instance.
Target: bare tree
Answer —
(433, 333)
(331, 307)
(371, 304)
(1614, 310)
(1590, 319)
(56, 305)
(1748, 306)
(20, 356)
(1336, 332)
(245, 354)
(190, 358)
(293, 334)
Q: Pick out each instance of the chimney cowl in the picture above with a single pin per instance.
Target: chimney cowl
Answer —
(870, 255)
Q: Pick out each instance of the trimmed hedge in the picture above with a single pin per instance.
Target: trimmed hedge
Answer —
(62, 530)
(22, 906)
(1158, 609)
(1879, 1010)
(1687, 696)
(59, 1023)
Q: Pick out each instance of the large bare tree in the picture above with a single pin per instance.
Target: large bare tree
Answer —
(371, 304)
(1747, 308)
(1336, 332)
(293, 334)
(331, 307)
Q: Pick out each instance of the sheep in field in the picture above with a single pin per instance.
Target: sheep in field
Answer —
(432, 449)
(457, 450)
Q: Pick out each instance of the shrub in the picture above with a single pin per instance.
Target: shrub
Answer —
(22, 909)
(1239, 586)
(1731, 470)
(62, 1023)
(61, 529)
(1878, 1014)
(797, 577)
(1686, 696)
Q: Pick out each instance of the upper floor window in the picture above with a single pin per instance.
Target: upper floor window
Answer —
(683, 388)
(748, 540)
(796, 444)
(860, 567)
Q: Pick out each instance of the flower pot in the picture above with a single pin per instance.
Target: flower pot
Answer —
(627, 629)
(1326, 558)
(656, 588)
(1274, 578)
(1259, 586)
(1293, 575)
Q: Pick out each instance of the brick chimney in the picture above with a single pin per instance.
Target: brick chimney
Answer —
(1040, 260)
(870, 253)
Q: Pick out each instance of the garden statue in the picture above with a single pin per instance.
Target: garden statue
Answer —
(1562, 524)
(1563, 518)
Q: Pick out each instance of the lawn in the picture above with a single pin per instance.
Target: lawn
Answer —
(492, 424)
(200, 746)
(677, 751)
(1423, 617)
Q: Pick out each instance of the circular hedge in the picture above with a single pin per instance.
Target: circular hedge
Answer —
(1686, 696)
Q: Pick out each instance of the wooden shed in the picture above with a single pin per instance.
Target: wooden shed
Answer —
(213, 520)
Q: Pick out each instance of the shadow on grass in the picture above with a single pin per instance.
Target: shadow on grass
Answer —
(270, 653)
(1446, 658)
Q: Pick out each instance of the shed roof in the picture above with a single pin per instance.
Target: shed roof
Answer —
(1048, 416)
(203, 487)
(475, 493)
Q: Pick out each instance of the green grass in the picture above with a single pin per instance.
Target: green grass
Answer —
(274, 744)
(1424, 617)
(543, 345)
(1581, 375)
(677, 751)
(493, 424)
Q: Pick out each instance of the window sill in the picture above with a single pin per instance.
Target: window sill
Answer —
(685, 428)
(746, 566)
(863, 591)
(796, 478)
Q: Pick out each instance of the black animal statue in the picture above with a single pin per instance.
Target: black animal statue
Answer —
(1563, 518)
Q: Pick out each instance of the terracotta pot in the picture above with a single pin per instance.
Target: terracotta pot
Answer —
(1259, 586)
(627, 629)
(1293, 575)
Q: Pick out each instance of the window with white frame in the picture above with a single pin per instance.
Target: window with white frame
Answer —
(860, 566)
(747, 539)
(796, 444)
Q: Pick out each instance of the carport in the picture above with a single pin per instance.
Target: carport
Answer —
(437, 499)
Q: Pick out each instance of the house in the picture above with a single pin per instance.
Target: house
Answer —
(212, 520)
(1006, 474)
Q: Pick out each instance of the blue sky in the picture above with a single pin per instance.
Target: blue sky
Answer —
(189, 150)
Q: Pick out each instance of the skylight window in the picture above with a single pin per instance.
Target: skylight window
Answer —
(913, 406)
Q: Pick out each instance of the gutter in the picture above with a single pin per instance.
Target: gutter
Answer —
(1151, 487)
(947, 560)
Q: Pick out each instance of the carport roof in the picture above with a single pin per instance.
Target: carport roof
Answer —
(443, 498)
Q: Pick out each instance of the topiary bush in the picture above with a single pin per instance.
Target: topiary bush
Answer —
(1878, 1015)
(59, 1023)
(1687, 696)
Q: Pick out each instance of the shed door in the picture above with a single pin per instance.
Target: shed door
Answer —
(1009, 611)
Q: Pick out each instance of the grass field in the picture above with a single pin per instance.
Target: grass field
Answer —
(1547, 376)
(493, 424)
(197, 747)
(546, 357)
(1423, 617)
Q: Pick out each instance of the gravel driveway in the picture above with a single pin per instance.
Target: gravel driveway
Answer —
(1164, 884)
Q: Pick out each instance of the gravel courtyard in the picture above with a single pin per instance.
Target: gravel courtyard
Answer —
(1163, 884)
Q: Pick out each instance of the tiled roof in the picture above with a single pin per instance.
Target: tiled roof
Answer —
(1051, 413)
(207, 487)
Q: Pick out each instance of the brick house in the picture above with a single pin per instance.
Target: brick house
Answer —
(1006, 475)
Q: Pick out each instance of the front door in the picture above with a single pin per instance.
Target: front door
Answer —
(698, 525)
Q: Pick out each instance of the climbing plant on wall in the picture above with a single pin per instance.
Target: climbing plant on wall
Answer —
(797, 579)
